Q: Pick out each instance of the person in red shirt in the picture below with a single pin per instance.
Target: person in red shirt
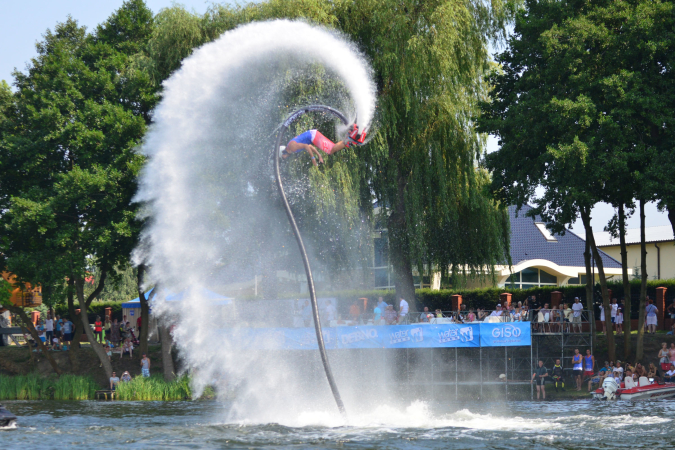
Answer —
(139, 322)
(98, 329)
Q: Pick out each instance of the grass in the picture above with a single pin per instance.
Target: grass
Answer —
(35, 387)
(154, 388)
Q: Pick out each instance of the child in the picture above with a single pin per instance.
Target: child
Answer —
(55, 343)
(619, 321)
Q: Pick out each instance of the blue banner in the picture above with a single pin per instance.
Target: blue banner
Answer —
(393, 336)
(505, 334)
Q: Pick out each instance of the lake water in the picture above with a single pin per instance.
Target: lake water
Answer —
(201, 425)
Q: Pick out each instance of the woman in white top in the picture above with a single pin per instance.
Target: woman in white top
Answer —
(615, 307)
(602, 319)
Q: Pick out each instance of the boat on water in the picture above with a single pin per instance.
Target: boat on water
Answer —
(644, 389)
(7, 419)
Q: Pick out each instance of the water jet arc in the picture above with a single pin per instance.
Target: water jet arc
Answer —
(305, 260)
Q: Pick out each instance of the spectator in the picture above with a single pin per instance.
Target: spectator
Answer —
(663, 354)
(614, 309)
(577, 307)
(651, 311)
(556, 320)
(535, 308)
(107, 327)
(49, 329)
(58, 323)
(126, 377)
(671, 353)
(577, 368)
(481, 314)
(619, 321)
(123, 331)
(602, 319)
(669, 377)
(354, 311)
(98, 329)
(557, 376)
(382, 305)
(390, 315)
(67, 329)
(115, 333)
(497, 312)
(307, 314)
(640, 371)
(56, 345)
(127, 349)
(589, 365)
(525, 314)
(331, 313)
(462, 313)
(545, 317)
(653, 372)
(567, 316)
(539, 376)
(618, 368)
(517, 315)
(139, 324)
(618, 377)
(426, 315)
(145, 366)
(439, 314)
(471, 317)
(377, 315)
(402, 310)
(114, 381)
(108, 351)
(671, 310)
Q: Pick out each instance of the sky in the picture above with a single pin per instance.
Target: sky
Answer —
(23, 23)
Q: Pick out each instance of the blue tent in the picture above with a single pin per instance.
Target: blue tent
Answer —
(217, 299)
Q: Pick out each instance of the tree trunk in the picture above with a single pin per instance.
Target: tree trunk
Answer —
(586, 219)
(399, 248)
(77, 330)
(84, 318)
(671, 216)
(639, 350)
(589, 289)
(167, 359)
(145, 312)
(627, 341)
(33, 332)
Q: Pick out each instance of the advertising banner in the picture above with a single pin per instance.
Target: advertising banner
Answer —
(393, 336)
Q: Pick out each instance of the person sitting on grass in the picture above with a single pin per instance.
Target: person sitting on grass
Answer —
(126, 377)
(114, 381)
(56, 345)
(127, 349)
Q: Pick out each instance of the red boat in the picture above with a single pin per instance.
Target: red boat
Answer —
(629, 390)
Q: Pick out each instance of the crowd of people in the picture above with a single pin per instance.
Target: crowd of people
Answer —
(585, 370)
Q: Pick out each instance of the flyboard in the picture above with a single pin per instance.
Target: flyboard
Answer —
(357, 139)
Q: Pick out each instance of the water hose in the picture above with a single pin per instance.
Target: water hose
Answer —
(305, 260)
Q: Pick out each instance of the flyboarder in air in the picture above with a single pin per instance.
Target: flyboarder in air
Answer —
(311, 139)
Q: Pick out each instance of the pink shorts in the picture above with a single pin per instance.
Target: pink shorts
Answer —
(322, 142)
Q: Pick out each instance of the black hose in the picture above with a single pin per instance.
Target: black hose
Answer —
(308, 270)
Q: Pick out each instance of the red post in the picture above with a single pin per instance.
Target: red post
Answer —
(505, 299)
(661, 306)
(556, 298)
(34, 316)
(456, 302)
(108, 312)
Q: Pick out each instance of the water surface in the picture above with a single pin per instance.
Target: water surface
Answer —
(203, 425)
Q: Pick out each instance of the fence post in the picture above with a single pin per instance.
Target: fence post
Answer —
(456, 301)
(505, 299)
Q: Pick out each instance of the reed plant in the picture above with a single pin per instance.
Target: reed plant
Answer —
(36, 387)
(154, 388)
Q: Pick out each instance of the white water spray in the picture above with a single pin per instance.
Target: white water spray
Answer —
(211, 217)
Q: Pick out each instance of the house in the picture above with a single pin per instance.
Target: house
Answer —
(660, 250)
(540, 258)
(23, 295)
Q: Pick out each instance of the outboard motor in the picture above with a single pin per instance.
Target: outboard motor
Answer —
(610, 386)
(7, 419)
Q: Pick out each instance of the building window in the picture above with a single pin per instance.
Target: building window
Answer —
(531, 277)
(544, 231)
(581, 279)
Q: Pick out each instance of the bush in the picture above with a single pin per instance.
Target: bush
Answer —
(154, 388)
(36, 387)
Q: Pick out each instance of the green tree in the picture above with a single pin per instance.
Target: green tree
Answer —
(68, 165)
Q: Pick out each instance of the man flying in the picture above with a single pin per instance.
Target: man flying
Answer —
(311, 139)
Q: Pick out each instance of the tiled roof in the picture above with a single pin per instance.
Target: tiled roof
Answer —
(652, 234)
(527, 242)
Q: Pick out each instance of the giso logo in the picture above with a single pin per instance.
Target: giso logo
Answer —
(506, 331)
